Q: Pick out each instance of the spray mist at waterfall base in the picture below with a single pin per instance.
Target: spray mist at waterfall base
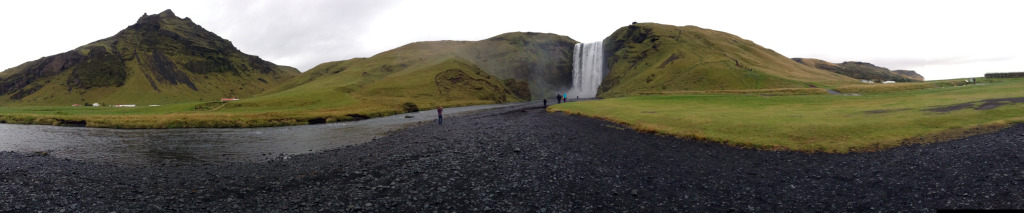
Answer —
(587, 70)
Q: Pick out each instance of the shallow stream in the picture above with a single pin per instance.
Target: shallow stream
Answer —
(206, 145)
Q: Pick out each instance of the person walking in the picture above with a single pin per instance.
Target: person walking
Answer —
(440, 118)
(545, 103)
(558, 97)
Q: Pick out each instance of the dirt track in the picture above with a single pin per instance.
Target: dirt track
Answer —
(525, 159)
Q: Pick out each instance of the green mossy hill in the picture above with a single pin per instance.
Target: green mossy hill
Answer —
(161, 59)
(367, 87)
(861, 70)
(532, 64)
(910, 74)
(656, 58)
(510, 67)
(450, 80)
(543, 61)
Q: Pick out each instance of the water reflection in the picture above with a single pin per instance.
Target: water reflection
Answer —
(190, 146)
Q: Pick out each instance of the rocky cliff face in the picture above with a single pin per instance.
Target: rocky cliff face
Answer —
(160, 59)
(543, 61)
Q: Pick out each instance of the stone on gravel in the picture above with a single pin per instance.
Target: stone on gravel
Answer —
(573, 164)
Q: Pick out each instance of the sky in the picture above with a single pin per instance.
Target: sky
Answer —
(938, 39)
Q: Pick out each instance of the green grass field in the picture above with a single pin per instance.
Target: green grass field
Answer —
(880, 118)
(194, 115)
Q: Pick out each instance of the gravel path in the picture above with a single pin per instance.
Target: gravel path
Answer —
(524, 159)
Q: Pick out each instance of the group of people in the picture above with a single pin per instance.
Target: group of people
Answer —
(560, 98)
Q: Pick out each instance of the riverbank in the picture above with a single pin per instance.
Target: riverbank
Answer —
(220, 114)
(208, 145)
(525, 159)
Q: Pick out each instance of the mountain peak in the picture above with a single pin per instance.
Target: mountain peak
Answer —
(173, 56)
(167, 13)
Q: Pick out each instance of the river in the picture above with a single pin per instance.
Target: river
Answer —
(207, 145)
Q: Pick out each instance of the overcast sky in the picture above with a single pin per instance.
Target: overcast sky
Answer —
(939, 39)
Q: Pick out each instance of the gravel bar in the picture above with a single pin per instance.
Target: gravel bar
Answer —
(523, 159)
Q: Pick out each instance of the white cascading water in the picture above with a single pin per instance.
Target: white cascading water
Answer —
(587, 70)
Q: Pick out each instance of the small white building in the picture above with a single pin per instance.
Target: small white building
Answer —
(889, 82)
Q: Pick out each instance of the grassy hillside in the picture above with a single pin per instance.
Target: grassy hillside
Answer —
(543, 61)
(161, 59)
(910, 74)
(423, 75)
(655, 58)
(505, 68)
(361, 87)
(347, 95)
(884, 116)
(861, 70)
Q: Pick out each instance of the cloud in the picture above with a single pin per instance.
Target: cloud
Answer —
(294, 33)
(944, 36)
(301, 35)
(937, 67)
(910, 63)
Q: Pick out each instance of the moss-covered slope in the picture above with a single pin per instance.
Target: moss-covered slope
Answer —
(910, 74)
(861, 70)
(542, 60)
(506, 68)
(161, 59)
(653, 58)
(367, 87)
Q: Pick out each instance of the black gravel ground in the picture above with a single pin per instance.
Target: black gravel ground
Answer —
(527, 160)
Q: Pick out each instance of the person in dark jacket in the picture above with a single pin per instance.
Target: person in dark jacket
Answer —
(440, 118)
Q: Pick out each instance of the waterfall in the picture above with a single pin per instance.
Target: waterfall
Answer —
(587, 69)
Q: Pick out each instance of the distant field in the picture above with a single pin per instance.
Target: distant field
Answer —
(883, 116)
(257, 112)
